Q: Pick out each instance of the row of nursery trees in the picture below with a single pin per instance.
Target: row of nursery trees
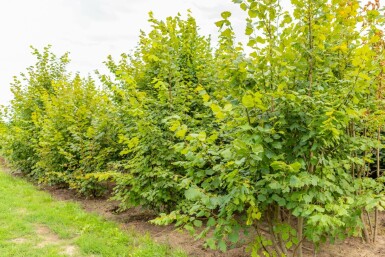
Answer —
(280, 137)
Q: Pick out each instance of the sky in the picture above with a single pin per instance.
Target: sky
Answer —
(92, 29)
(89, 29)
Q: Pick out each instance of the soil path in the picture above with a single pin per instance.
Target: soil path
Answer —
(137, 219)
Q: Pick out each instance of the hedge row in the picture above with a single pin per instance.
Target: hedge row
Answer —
(282, 135)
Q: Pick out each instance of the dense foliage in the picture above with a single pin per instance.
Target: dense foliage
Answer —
(282, 135)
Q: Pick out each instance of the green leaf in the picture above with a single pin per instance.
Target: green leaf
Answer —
(234, 236)
(226, 154)
(249, 30)
(307, 198)
(181, 133)
(285, 236)
(222, 245)
(295, 182)
(219, 24)
(243, 6)
(197, 223)
(225, 15)
(281, 201)
(193, 194)
(296, 166)
(278, 165)
(257, 215)
(289, 244)
(248, 101)
(211, 222)
(211, 243)
(202, 136)
(227, 33)
(252, 13)
(262, 198)
(277, 145)
(175, 125)
(257, 148)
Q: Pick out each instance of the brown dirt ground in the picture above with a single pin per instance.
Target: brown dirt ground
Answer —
(48, 237)
(137, 219)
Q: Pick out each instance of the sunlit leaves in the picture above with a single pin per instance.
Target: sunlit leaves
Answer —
(248, 101)
(283, 126)
(226, 15)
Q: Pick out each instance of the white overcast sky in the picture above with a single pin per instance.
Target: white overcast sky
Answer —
(90, 29)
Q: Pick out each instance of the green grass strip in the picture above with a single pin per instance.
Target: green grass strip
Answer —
(33, 224)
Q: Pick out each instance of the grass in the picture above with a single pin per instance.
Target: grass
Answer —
(33, 224)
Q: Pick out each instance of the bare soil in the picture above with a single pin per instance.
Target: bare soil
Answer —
(137, 219)
(48, 237)
(19, 240)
